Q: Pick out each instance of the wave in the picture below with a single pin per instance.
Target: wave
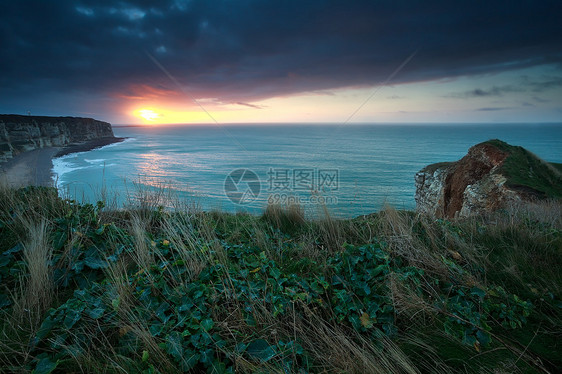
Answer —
(127, 140)
(95, 161)
(63, 165)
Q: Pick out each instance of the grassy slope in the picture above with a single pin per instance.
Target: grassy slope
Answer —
(525, 170)
(557, 166)
(98, 290)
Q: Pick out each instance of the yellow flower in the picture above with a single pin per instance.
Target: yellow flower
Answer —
(366, 320)
(123, 330)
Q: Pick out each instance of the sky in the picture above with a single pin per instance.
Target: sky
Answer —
(242, 61)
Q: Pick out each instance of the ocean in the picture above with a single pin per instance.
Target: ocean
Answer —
(351, 169)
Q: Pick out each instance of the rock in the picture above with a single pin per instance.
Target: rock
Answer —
(24, 133)
(493, 175)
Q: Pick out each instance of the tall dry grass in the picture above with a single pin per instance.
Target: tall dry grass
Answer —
(344, 350)
(142, 255)
(25, 215)
(38, 286)
(527, 246)
(286, 218)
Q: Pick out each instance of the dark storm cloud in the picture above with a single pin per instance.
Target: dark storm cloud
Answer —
(540, 100)
(245, 50)
(248, 105)
(548, 84)
(491, 109)
(526, 85)
(479, 92)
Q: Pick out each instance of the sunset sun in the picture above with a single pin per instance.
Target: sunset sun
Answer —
(148, 114)
(162, 114)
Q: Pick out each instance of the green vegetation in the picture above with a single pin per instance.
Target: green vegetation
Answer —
(524, 170)
(87, 288)
(557, 166)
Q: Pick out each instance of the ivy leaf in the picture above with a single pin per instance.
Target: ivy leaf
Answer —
(240, 347)
(275, 273)
(483, 337)
(189, 360)
(71, 318)
(95, 263)
(45, 366)
(261, 350)
(4, 260)
(161, 311)
(173, 345)
(250, 320)
(46, 327)
(379, 269)
(478, 292)
(96, 313)
(155, 329)
(187, 305)
(207, 324)
(4, 301)
(207, 356)
(18, 247)
(468, 338)
(59, 239)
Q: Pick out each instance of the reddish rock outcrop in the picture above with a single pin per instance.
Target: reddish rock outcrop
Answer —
(475, 184)
(471, 169)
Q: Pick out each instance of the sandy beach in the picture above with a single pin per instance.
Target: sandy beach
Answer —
(35, 167)
(30, 168)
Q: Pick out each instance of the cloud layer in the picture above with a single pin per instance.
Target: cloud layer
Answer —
(247, 50)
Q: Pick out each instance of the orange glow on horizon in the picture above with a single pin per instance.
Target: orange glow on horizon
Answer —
(145, 109)
(153, 106)
(160, 116)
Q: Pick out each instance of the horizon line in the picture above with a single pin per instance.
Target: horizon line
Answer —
(337, 123)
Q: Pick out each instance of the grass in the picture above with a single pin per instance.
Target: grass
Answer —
(525, 170)
(557, 166)
(90, 288)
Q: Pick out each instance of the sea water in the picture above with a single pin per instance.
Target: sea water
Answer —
(350, 169)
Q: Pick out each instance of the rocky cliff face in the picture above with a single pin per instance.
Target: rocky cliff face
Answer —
(24, 133)
(491, 176)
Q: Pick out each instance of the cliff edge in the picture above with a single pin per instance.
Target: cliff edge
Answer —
(20, 134)
(491, 176)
